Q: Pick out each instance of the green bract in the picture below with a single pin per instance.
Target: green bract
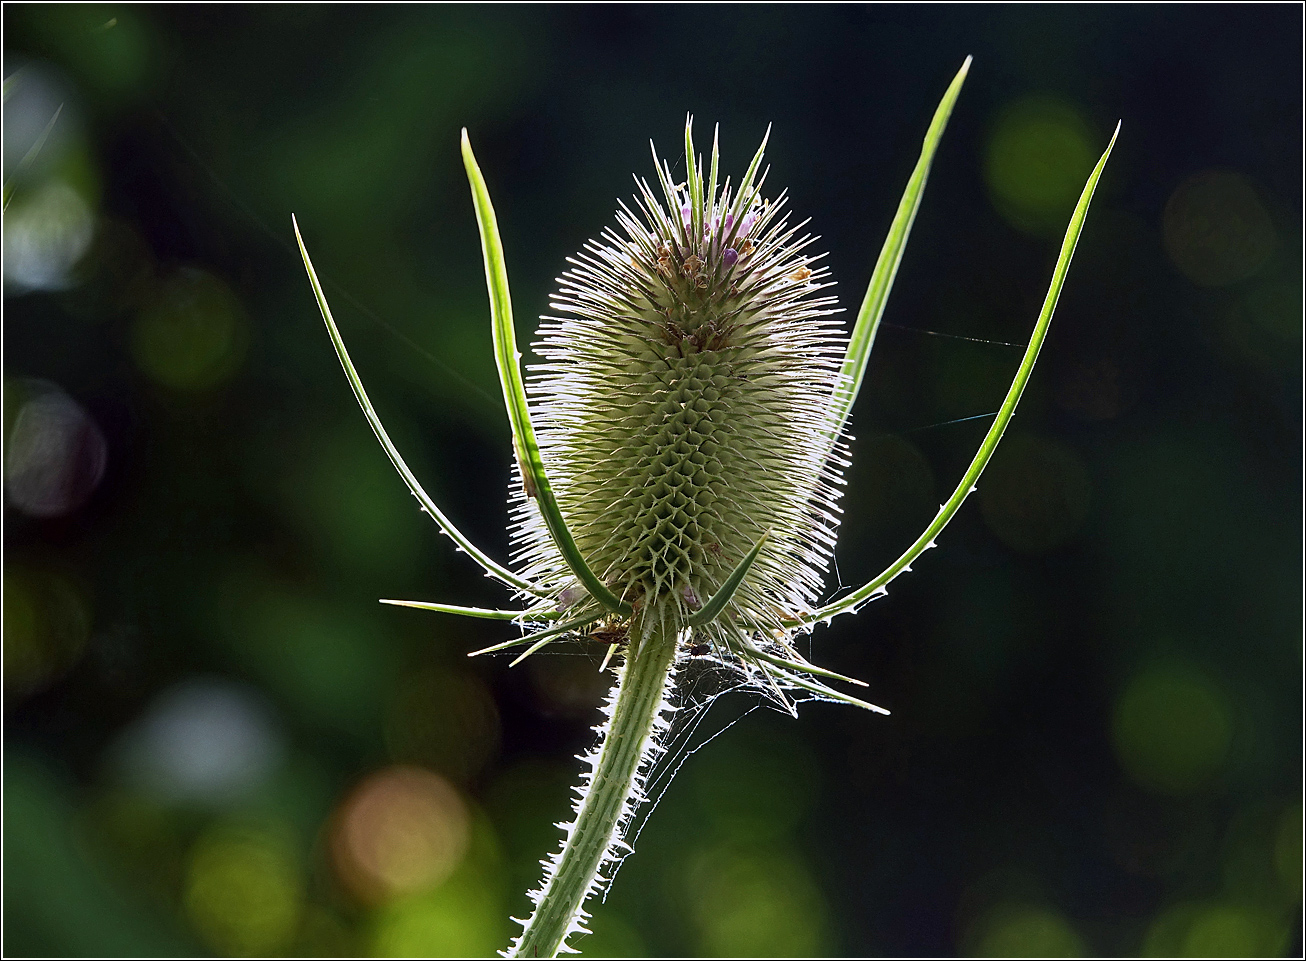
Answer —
(678, 461)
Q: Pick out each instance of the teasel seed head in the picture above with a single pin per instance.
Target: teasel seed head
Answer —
(682, 410)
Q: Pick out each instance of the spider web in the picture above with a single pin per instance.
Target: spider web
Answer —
(702, 683)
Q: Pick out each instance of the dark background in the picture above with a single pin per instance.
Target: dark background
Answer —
(215, 738)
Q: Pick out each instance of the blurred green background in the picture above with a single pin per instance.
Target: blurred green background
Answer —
(216, 741)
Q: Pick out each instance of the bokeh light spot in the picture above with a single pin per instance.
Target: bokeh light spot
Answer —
(47, 230)
(1172, 727)
(1216, 930)
(463, 918)
(46, 626)
(205, 739)
(1216, 229)
(244, 890)
(191, 333)
(401, 831)
(1038, 157)
(1026, 931)
(1034, 494)
(756, 904)
(55, 455)
(33, 146)
(1234, 931)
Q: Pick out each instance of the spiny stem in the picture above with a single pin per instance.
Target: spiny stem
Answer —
(607, 800)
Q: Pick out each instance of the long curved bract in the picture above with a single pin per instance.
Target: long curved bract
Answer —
(482, 612)
(801, 666)
(853, 369)
(490, 566)
(923, 543)
(507, 357)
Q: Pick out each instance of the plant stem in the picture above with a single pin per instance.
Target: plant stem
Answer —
(608, 799)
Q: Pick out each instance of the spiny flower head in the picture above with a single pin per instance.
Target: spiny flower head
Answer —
(682, 410)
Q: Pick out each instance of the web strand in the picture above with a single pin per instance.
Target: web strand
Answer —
(939, 333)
